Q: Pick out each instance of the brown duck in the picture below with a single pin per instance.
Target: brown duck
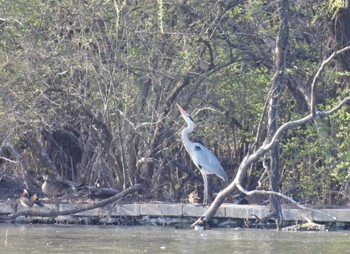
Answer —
(29, 200)
(193, 197)
(54, 188)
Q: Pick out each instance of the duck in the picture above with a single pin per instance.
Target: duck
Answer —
(97, 183)
(54, 188)
(193, 197)
(242, 199)
(97, 191)
(29, 200)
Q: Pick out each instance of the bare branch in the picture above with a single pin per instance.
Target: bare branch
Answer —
(318, 73)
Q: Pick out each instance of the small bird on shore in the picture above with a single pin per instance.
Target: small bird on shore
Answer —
(193, 197)
(238, 199)
(97, 183)
(99, 192)
(242, 199)
(29, 200)
(54, 188)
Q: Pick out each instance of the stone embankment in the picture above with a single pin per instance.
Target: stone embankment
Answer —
(172, 214)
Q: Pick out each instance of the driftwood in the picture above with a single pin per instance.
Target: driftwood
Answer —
(117, 197)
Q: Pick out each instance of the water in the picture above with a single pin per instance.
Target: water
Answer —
(112, 239)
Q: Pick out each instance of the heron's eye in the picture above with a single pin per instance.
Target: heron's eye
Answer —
(191, 118)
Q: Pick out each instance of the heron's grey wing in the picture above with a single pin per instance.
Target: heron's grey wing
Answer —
(207, 161)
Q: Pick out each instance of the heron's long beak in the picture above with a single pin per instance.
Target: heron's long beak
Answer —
(183, 112)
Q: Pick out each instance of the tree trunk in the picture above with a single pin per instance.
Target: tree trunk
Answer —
(275, 92)
(339, 28)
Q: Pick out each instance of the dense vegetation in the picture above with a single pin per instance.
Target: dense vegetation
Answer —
(88, 90)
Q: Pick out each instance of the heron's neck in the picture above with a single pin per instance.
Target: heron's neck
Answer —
(185, 133)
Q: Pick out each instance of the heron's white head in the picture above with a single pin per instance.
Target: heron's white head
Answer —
(185, 115)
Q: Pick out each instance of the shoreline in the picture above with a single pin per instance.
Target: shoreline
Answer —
(175, 214)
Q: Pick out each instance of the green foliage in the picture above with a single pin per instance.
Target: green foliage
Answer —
(113, 70)
(334, 6)
(320, 154)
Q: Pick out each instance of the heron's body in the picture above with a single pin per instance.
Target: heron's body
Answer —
(205, 160)
(202, 157)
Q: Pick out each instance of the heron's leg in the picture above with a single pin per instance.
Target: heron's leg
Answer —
(205, 181)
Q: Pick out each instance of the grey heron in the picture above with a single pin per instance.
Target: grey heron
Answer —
(202, 157)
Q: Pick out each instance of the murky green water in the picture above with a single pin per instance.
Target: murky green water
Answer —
(112, 239)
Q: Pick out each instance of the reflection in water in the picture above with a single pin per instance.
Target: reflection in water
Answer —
(112, 239)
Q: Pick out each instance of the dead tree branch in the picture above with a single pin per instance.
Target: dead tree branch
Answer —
(267, 145)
